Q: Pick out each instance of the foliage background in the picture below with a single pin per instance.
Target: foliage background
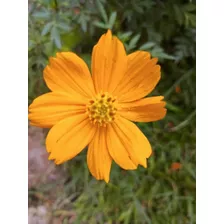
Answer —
(166, 29)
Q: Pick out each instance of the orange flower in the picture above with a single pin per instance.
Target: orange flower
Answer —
(177, 89)
(97, 110)
(77, 10)
(176, 166)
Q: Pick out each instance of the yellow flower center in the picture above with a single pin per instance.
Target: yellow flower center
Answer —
(102, 109)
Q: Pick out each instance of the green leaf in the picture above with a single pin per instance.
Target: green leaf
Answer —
(55, 36)
(166, 56)
(147, 46)
(182, 78)
(141, 210)
(64, 26)
(31, 44)
(112, 19)
(71, 39)
(173, 108)
(100, 25)
(124, 36)
(190, 7)
(156, 51)
(42, 15)
(192, 19)
(179, 14)
(83, 22)
(159, 52)
(133, 42)
(102, 11)
(46, 28)
(184, 123)
(126, 215)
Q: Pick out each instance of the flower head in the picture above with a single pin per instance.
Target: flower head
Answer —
(96, 110)
(176, 166)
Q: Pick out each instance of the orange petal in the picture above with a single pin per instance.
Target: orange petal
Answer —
(69, 137)
(144, 110)
(50, 108)
(127, 145)
(140, 79)
(109, 63)
(69, 73)
(98, 158)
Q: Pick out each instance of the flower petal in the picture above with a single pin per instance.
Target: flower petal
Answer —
(127, 144)
(144, 110)
(69, 137)
(109, 63)
(48, 109)
(98, 158)
(140, 79)
(69, 73)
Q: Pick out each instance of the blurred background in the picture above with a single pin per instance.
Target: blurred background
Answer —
(164, 192)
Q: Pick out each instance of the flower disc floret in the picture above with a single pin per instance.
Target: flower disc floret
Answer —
(102, 109)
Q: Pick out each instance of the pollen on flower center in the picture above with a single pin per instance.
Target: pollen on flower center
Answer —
(102, 110)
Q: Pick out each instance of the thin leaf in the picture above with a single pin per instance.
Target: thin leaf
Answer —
(142, 211)
(134, 40)
(55, 36)
(112, 19)
(42, 15)
(102, 11)
(83, 22)
(100, 24)
(173, 108)
(64, 26)
(147, 46)
(166, 56)
(183, 77)
(46, 29)
(190, 7)
(124, 36)
(184, 123)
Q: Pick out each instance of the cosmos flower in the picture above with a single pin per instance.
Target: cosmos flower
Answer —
(176, 166)
(97, 110)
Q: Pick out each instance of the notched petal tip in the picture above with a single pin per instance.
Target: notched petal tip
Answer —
(50, 157)
(162, 103)
(51, 61)
(144, 164)
(106, 180)
(101, 178)
(155, 60)
(165, 111)
(161, 98)
(55, 160)
(34, 124)
(142, 54)
(150, 153)
(58, 162)
(109, 32)
(104, 37)
(61, 54)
